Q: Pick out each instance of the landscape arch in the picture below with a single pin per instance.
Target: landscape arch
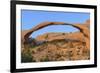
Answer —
(82, 27)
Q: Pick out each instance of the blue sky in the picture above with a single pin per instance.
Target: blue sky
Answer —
(31, 18)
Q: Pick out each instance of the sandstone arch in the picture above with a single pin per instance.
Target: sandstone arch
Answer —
(82, 27)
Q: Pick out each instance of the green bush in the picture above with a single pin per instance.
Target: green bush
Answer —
(26, 56)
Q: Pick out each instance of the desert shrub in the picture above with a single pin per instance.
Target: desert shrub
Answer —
(63, 33)
(86, 52)
(26, 56)
(45, 59)
(46, 37)
(33, 47)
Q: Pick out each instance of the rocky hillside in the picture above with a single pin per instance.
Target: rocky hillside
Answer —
(57, 47)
